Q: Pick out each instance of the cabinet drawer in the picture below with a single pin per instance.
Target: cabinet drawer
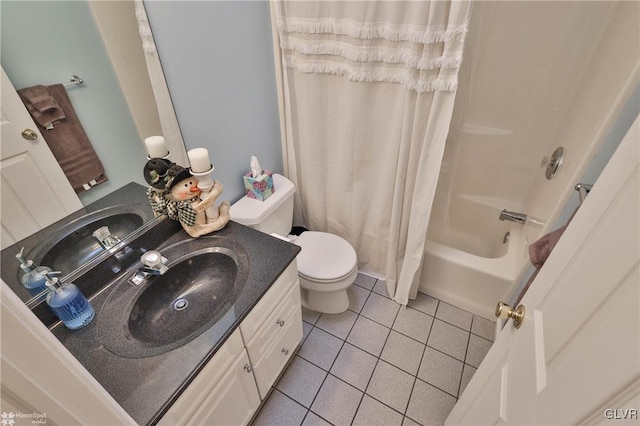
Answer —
(267, 369)
(274, 325)
(252, 323)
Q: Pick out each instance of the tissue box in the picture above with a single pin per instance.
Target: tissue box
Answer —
(261, 188)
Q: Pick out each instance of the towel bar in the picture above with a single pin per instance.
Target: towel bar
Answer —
(583, 189)
(74, 81)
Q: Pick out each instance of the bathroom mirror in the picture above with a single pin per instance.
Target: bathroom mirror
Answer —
(111, 119)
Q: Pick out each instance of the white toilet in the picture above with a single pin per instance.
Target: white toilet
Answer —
(327, 264)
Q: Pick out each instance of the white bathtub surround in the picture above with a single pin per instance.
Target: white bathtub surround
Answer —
(512, 110)
(366, 97)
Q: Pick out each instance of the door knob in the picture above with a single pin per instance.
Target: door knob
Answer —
(29, 135)
(505, 311)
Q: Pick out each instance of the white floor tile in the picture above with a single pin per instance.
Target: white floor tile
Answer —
(313, 419)
(280, 410)
(365, 281)
(428, 405)
(381, 288)
(467, 374)
(310, 316)
(368, 335)
(306, 329)
(414, 324)
(357, 297)
(478, 348)
(380, 309)
(403, 352)
(337, 324)
(354, 366)
(337, 401)
(373, 413)
(320, 348)
(449, 339)
(483, 327)
(408, 422)
(441, 371)
(455, 316)
(391, 386)
(424, 303)
(301, 381)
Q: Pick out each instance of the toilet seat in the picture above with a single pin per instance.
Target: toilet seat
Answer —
(325, 258)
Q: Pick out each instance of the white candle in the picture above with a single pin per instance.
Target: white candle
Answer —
(199, 160)
(156, 147)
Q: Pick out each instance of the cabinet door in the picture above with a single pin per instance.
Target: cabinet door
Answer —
(259, 314)
(234, 400)
(278, 353)
(200, 391)
(274, 325)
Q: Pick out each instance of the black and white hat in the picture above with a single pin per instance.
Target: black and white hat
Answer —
(156, 172)
(176, 174)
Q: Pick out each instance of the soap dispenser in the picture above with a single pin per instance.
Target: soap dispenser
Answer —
(33, 278)
(68, 303)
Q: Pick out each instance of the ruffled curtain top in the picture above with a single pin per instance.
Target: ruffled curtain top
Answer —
(418, 45)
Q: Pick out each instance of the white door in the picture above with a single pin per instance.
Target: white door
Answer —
(35, 192)
(576, 357)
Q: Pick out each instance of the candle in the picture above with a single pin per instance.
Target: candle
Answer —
(156, 147)
(199, 159)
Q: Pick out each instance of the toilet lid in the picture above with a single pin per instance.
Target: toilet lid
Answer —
(324, 256)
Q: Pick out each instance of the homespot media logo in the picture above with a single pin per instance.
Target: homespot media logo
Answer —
(11, 418)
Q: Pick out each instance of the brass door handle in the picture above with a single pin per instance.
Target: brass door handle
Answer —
(505, 311)
(29, 135)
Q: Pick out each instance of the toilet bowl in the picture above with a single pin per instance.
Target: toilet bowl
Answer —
(327, 264)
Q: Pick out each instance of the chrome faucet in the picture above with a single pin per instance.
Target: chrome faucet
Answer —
(153, 264)
(107, 240)
(520, 218)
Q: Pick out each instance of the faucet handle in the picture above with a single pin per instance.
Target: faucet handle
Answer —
(154, 262)
(153, 259)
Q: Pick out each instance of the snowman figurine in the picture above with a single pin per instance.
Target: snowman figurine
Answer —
(155, 173)
(184, 203)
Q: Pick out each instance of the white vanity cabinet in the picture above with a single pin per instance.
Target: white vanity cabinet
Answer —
(229, 388)
(271, 335)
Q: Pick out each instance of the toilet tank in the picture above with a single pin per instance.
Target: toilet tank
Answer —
(275, 214)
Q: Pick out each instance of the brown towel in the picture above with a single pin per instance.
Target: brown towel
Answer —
(41, 105)
(541, 249)
(70, 144)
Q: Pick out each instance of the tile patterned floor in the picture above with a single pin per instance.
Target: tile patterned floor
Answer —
(379, 363)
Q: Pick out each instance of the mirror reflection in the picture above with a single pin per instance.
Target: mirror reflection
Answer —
(116, 109)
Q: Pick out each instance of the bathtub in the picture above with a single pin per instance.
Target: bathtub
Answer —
(468, 262)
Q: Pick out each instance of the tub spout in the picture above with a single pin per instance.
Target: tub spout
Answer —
(520, 218)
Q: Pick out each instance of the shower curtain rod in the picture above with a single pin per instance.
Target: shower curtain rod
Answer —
(74, 81)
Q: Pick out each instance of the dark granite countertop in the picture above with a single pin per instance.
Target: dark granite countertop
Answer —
(129, 198)
(146, 387)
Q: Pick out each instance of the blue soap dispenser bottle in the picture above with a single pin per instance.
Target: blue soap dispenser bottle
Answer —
(33, 278)
(68, 303)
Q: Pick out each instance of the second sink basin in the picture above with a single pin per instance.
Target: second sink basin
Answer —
(74, 244)
(164, 312)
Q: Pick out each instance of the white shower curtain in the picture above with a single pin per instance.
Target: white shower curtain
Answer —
(367, 91)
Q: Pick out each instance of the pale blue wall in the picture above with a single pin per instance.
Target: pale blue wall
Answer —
(218, 61)
(45, 42)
